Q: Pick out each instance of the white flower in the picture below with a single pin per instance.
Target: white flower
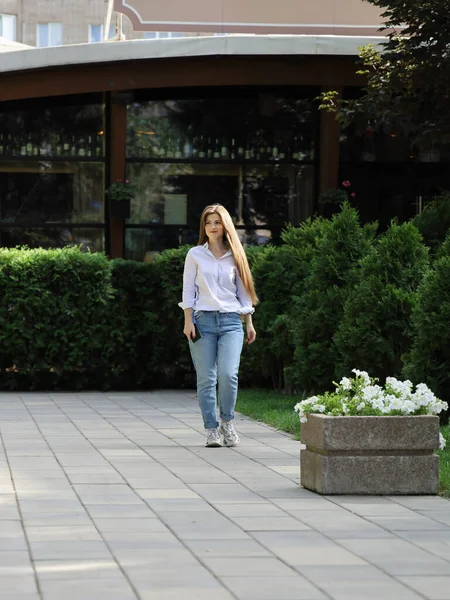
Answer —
(362, 374)
(345, 383)
(303, 419)
(442, 442)
(361, 405)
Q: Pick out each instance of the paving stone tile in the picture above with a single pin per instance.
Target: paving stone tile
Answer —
(88, 590)
(248, 548)
(248, 567)
(306, 548)
(357, 582)
(18, 584)
(433, 588)
(68, 549)
(273, 588)
(201, 526)
(66, 570)
(397, 557)
(62, 533)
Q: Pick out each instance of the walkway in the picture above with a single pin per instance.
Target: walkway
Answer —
(114, 497)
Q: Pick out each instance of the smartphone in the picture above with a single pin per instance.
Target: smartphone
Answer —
(198, 335)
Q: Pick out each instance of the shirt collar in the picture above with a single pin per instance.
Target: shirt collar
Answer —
(206, 247)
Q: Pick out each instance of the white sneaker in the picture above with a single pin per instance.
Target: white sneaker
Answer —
(230, 437)
(213, 438)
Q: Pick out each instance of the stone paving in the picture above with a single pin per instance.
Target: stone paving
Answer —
(114, 497)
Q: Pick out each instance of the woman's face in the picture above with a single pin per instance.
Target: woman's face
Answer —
(214, 227)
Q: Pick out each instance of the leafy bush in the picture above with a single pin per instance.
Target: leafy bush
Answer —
(429, 359)
(318, 312)
(134, 326)
(375, 330)
(434, 221)
(52, 311)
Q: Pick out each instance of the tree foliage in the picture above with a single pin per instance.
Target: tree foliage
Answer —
(408, 79)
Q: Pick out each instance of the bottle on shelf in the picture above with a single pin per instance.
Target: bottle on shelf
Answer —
(233, 149)
(312, 151)
(98, 150)
(58, 146)
(23, 146)
(240, 150)
(202, 148)
(2, 146)
(209, 148)
(73, 147)
(224, 152)
(187, 149)
(81, 148)
(89, 147)
(66, 147)
(216, 150)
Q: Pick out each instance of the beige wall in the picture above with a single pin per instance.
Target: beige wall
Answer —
(355, 17)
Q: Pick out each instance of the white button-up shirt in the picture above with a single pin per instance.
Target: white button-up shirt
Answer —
(213, 284)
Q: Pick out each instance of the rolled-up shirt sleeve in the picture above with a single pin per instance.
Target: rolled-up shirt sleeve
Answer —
(189, 288)
(243, 297)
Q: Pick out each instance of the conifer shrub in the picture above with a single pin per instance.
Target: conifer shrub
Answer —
(376, 330)
(279, 273)
(429, 359)
(434, 221)
(318, 311)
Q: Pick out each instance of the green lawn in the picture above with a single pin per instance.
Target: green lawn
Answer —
(277, 410)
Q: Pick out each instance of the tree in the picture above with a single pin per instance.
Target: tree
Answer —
(408, 81)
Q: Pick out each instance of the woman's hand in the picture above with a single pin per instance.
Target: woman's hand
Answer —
(251, 334)
(189, 331)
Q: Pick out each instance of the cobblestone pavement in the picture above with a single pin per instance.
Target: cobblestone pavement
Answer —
(109, 496)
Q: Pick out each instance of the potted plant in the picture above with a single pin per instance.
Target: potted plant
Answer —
(120, 194)
(367, 439)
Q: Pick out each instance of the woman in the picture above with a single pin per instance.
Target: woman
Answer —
(217, 290)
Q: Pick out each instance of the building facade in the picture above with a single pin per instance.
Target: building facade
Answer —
(190, 122)
(41, 23)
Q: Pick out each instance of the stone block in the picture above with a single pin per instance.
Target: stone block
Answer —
(370, 455)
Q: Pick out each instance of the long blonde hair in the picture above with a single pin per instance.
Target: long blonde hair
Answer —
(231, 239)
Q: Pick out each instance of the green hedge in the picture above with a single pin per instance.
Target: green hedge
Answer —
(333, 297)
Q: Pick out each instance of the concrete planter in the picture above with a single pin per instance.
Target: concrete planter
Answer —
(370, 455)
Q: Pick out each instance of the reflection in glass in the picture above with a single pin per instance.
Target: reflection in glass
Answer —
(89, 238)
(255, 195)
(41, 192)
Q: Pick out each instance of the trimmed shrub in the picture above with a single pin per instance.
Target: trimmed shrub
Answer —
(134, 327)
(376, 327)
(429, 359)
(318, 312)
(171, 349)
(52, 312)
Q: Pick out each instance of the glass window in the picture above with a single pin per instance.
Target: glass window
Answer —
(252, 151)
(8, 27)
(52, 171)
(49, 34)
(95, 33)
(69, 127)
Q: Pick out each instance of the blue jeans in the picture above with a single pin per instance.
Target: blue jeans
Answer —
(216, 356)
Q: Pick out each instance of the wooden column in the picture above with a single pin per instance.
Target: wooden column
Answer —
(329, 148)
(116, 152)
